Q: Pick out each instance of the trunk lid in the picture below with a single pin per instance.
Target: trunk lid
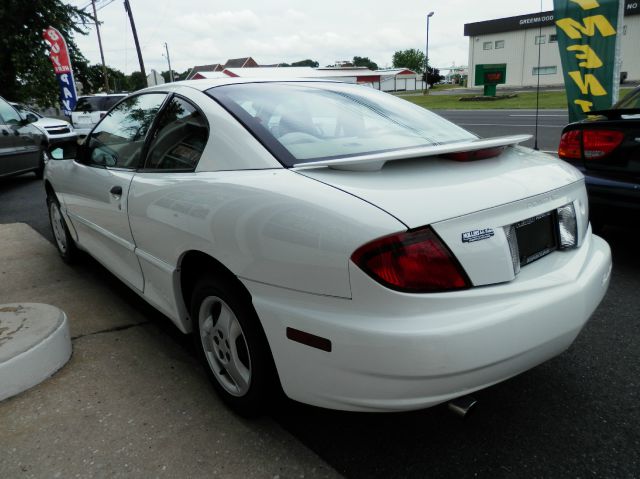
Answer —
(428, 190)
(475, 207)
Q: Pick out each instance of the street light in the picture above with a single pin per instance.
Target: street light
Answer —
(426, 58)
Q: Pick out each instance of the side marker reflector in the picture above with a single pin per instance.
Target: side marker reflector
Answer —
(309, 339)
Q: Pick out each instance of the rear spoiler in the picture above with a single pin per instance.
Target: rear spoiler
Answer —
(375, 161)
(615, 114)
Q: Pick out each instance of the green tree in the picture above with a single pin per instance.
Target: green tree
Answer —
(433, 76)
(93, 80)
(364, 62)
(136, 81)
(167, 77)
(306, 63)
(25, 69)
(412, 58)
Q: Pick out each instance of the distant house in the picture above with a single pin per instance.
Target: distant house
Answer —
(246, 62)
(393, 79)
(214, 67)
(400, 79)
(198, 72)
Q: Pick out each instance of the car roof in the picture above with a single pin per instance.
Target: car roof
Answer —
(102, 95)
(205, 84)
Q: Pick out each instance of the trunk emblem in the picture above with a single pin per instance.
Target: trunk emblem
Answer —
(477, 235)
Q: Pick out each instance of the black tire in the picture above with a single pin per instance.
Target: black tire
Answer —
(212, 300)
(61, 237)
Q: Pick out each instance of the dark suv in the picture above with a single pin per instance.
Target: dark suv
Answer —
(606, 147)
(22, 146)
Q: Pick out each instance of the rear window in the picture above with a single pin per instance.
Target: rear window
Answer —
(90, 104)
(310, 121)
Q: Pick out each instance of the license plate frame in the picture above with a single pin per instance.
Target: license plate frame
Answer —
(537, 237)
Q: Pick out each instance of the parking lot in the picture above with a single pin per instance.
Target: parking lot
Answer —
(574, 416)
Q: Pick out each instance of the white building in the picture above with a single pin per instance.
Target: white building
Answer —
(514, 41)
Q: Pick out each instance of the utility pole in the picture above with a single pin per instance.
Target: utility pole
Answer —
(127, 7)
(166, 47)
(104, 66)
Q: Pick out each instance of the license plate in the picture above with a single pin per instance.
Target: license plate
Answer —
(536, 237)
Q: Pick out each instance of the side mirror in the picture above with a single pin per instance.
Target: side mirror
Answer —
(31, 118)
(67, 150)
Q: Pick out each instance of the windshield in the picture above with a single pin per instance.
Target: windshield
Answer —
(302, 122)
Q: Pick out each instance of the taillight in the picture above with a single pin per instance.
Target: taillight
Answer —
(594, 143)
(570, 145)
(414, 262)
(599, 143)
(475, 154)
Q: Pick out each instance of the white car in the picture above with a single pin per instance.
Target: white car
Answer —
(357, 250)
(54, 129)
(89, 110)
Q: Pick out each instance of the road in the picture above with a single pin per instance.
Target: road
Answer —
(487, 123)
(574, 416)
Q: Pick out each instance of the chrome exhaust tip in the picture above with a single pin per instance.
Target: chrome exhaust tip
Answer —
(462, 405)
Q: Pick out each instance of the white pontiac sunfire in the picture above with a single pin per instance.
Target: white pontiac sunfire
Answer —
(356, 250)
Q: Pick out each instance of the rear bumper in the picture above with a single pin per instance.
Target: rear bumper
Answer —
(393, 351)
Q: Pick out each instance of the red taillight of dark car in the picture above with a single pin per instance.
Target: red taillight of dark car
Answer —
(595, 144)
(570, 145)
(414, 262)
(599, 143)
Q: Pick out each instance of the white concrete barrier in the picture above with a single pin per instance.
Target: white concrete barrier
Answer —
(34, 344)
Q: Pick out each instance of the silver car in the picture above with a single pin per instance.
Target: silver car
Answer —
(22, 145)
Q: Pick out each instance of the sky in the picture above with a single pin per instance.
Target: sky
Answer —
(271, 31)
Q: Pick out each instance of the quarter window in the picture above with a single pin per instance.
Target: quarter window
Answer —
(487, 45)
(179, 139)
(118, 139)
(499, 44)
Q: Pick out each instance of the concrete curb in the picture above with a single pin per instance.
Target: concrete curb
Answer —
(34, 344)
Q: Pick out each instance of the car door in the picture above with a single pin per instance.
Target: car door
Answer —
(96, 186)
(7, 149)
(14, 156)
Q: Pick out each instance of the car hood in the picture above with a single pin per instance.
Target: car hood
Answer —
(51, 122)
(427, 190)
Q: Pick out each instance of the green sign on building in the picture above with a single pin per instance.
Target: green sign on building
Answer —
(589, 50)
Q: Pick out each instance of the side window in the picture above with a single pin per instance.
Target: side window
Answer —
(8, 114)
(118, 139)
(179, 139)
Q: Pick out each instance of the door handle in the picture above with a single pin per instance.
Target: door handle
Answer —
(116, 191)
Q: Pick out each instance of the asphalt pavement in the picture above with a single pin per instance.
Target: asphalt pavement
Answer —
(488, 123)
(577, 415)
